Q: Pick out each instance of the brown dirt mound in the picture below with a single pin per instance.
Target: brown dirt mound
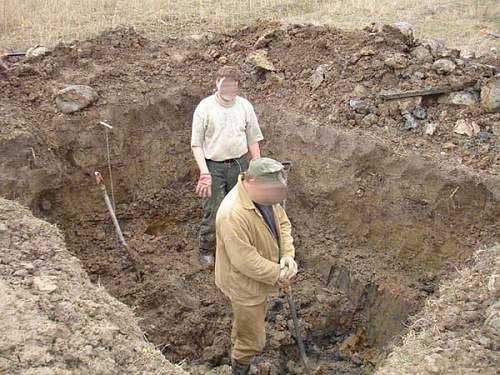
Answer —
(458, 330)
(380, 213)
(54, 320)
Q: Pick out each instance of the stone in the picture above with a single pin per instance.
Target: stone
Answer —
(74, 98)
(467, 55)
(359, 106)
(367, 51)
(408, 104)
(405, 28)
(449, 146)
(317, 77)
(495, 129)
(466, 127)
(46, 205)
(465, 98)
(360, 91)
(37, 51)
(490, 95)
(410, 122)
(260, 59)
(421, 54)
(45, 283)
(436, 46)
(370, 119)
(430, 128)
(396, 61)
(265, 39)
(444, 66)
(420, 113)
(484, 137)
(100, 234)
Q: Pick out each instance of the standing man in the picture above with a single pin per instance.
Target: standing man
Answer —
(225, 130)
(255, 254)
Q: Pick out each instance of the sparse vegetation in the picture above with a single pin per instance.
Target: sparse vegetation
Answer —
(25, 23)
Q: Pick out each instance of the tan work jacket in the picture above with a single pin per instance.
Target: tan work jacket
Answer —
(247, 256)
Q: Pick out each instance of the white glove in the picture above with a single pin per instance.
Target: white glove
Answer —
(288, 268)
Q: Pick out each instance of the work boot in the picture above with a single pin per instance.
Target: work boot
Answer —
(239, 368)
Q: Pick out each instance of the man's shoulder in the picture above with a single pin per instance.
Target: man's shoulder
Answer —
(231, 207)
(208, 101)
(244, 102)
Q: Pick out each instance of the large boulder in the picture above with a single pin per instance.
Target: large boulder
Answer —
(74, 98)
(490, 95)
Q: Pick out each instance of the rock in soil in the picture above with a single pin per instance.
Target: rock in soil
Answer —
(421, 54)
(261, 60)
(490, 95)
(430, 128)
(444, 66)
(466, 127)
(466, 98)
(74, 98)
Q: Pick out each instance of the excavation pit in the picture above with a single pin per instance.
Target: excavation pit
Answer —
(377, 222)
(368, 261)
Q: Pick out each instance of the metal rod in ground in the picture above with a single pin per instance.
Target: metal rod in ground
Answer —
(134, 256)
(300, 343)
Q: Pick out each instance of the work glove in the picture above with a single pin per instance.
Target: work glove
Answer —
(288, 268)
(204, 187)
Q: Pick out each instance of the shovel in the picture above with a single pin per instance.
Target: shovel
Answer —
(132, 254)
(293, 310)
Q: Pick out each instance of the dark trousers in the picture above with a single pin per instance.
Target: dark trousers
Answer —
(224, 178)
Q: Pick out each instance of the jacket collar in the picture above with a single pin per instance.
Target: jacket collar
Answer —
(245, 200)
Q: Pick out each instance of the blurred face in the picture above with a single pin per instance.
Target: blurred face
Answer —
(228, 88)
(266, 192)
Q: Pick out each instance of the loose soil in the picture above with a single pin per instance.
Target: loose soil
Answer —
(54, 320)
(380, 214)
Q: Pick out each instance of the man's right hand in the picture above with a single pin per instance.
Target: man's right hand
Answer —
(204, 186)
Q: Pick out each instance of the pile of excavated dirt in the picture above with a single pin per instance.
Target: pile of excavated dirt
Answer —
(54, 321)
(458, 331)
(381, 211)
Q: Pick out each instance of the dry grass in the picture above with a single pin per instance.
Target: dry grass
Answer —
(25, 23)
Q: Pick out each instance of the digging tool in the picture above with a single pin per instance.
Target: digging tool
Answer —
(133, 255)
(293, 311)
(288, 292)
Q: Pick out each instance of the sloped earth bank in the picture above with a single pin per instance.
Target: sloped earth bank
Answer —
(380, 213)
(54, 321)
(458, 331)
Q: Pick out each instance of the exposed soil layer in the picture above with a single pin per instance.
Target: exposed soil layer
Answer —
(54, 321)
(458, 330)
(380, 213)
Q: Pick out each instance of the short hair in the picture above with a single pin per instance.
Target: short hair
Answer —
(229, 71)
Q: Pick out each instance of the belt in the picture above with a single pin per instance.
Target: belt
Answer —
(227, 161)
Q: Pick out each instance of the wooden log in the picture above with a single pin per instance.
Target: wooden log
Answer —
(390, 95)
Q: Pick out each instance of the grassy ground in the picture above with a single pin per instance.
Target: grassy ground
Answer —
(24, 23)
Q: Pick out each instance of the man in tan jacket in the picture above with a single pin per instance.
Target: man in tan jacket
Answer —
(254, 255)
